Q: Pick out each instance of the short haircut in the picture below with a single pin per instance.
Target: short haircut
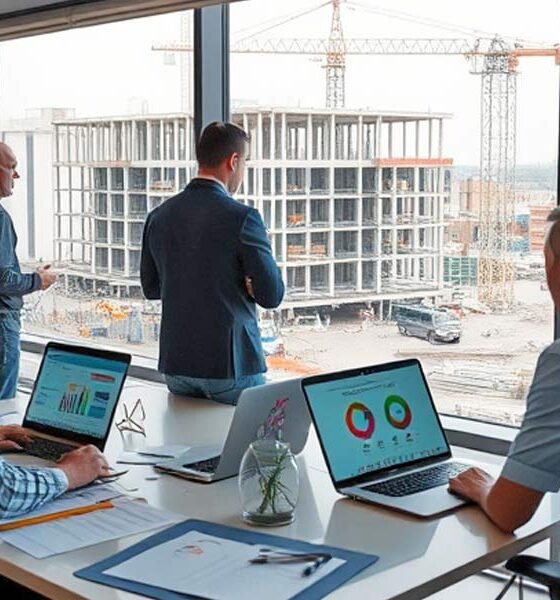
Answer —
(553, 236)
(218, 142)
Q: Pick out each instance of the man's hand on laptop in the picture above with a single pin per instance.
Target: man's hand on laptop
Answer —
(507, 503)
(12, 436)
(84, 465)
(473, 484)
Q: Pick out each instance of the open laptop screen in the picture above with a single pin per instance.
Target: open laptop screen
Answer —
(375, 419)
(76, 392)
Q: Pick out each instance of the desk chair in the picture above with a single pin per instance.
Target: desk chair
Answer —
(546, 572)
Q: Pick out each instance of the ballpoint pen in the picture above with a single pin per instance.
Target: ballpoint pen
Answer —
(267, 556)
(318, 563)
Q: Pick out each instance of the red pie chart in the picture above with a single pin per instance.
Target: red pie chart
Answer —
(360, 421)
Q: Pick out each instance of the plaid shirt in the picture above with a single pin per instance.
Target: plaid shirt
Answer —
(23, 489)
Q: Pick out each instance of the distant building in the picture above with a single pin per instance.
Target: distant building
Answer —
(354, 201)
(537, 225)
(31, 205)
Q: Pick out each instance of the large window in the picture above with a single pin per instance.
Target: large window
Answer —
(390, 191)
(92, 171)
(373, 187)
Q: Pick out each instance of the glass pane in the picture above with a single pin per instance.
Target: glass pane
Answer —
(385, 202)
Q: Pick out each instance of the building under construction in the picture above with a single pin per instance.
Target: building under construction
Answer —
(354, 200)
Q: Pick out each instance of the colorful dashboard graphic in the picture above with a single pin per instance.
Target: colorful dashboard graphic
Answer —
(365, 429)
(397, 412)
(361, 422)
(80, 400)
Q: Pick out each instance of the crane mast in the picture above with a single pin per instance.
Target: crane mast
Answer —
(336, 61)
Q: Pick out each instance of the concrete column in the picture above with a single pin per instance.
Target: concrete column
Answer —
(377, 143)
(360, 139)
(148, 139)
(331, 279)
(272, 138)
(440, 143)
(417, 141)
(391, 139)
(283, 142)
(430, 137)
(111, 145)
(332, 140)
(176, 141)
(161, 140)
(307, 280)
(309, 138)
(404, 138)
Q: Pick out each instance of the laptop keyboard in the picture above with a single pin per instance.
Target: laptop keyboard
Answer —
(205, 466)
(47, 449)
(419, 481)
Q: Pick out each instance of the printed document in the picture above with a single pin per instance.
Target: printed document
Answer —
(73, 499)
(216, 568)
(128, 517)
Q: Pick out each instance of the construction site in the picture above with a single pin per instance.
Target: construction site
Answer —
(357, 203)
(349, 222)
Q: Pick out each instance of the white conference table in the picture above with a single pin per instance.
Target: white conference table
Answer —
(418, 557)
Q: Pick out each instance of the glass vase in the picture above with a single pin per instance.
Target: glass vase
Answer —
(268, 483)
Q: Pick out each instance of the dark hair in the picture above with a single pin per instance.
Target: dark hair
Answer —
(553, 237)
(218, 142)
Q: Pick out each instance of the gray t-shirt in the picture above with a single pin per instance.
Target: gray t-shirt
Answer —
(534, 457)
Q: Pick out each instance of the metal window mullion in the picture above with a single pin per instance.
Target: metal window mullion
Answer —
(211, 66)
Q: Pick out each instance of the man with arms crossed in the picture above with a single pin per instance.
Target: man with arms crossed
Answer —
(208, 258)
(532, 467)
(13, 283)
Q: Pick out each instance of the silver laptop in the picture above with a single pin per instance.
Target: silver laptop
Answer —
(73, 399)
(382, 438)
(256, 406)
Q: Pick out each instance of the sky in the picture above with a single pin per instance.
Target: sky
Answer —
(99, 70)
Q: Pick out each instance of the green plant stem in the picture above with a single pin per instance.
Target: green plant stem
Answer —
(269, 485)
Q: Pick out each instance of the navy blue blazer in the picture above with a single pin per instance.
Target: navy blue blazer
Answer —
(197, 249)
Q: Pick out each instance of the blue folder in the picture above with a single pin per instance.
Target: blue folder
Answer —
(355, 561)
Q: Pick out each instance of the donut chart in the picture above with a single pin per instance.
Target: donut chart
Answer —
(397, 412)
(363, 433)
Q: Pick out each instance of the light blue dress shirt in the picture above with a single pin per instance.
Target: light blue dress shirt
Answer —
(534, 457)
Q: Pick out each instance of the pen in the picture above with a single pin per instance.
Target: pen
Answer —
(269, 557)
(318, 563)
(81, 510)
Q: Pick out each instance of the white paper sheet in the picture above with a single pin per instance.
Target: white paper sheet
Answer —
(211, 567)
(128, 517)
(10, 418)
(166, 451)
(70, 500)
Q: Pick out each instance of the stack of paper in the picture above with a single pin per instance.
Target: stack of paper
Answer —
(70, 500)
(127, 517)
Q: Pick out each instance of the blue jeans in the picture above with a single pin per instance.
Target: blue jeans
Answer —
(9, 355)
(226, 391)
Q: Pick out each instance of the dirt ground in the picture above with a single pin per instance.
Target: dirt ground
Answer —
(501, 350)
(484, 376)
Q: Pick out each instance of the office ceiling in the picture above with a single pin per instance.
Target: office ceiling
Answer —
(22, 18)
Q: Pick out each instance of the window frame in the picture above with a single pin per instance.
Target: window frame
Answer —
(211, 57)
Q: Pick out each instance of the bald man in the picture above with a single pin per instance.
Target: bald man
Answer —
(13, 283)
(532, 467)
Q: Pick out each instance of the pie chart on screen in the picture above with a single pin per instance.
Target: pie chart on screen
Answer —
(360, 421)
(397, 412)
